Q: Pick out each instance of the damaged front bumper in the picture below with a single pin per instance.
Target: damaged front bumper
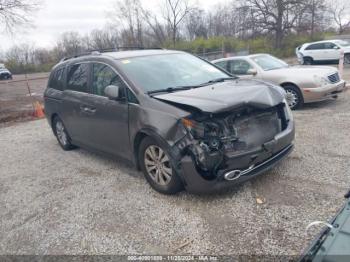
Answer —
(240, 167)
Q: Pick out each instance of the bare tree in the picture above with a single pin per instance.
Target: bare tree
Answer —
(15, 13)
(312, 17)
(42, 56)
(196, 24)
(275, 16)
(220, 21)
(174, 13)
(156, 30)
(99, 39)
(339, 10)
(69, 44)
(127, 15)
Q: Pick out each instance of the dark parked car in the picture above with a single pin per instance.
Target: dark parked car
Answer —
(333, 243)
(5, 74)
(181, 120)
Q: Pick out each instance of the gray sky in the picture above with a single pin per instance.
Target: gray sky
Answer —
(58, 16)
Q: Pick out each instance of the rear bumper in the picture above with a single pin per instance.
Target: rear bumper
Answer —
(251, 163)
(323, 93)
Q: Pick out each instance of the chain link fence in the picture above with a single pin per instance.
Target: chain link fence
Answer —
(19, 96)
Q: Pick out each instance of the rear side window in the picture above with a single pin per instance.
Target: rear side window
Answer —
(103, 76)
(315, 47)
(56, 81)
(77, 78)
(239, 67)
(222, 64)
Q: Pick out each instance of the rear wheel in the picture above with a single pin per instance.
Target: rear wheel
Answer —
(157, 167)
(61, 134)
(294, 97)
(307, 61)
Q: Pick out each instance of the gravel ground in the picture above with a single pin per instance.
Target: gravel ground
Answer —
(56, 202)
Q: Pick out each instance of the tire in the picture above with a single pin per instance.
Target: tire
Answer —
(347, 59)
(159, 174)
(294, 97)
(61, 134)
(308, 61)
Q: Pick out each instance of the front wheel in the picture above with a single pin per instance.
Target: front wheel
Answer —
(307, 61)
(62, 135)
(294, 97)
(157, 167)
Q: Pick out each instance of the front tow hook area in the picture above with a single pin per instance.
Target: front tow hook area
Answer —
(235, 174)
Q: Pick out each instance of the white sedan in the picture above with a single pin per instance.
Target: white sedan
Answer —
(303, 84)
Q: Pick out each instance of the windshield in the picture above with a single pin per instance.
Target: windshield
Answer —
(267, 62)
(158, 72)
(342, 43)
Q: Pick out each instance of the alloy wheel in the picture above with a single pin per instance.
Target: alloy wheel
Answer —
(292, 98)
(157, 165)
(61, 133)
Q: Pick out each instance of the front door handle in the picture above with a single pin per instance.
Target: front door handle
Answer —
(87, 109)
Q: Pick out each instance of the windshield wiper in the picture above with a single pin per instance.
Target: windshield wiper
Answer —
(222, 79)
(179, 88)
(171, 89)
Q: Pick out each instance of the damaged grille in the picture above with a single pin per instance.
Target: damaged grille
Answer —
(221, 136)
(254, 131)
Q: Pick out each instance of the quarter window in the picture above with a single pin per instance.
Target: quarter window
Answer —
(239, 67)
(56, 81)
(104, 76)
(78, 77)
(131, 97)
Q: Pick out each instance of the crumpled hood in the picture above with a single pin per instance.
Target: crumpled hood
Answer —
(228, 95)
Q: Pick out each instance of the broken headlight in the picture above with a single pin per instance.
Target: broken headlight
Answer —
(209, 133)
(195, 128)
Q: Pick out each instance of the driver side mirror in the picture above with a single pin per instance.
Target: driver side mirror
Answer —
(336, 47)
(252, 71)
(114, 92)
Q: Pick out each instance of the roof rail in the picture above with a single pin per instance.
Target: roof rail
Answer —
(116, 49)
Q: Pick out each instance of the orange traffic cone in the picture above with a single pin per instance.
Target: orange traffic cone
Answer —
(39, 112)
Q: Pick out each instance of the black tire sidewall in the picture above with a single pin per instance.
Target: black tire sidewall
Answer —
(300, 96)
(175, 185)
(308, 61)
(347, 59)
(69, 145)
